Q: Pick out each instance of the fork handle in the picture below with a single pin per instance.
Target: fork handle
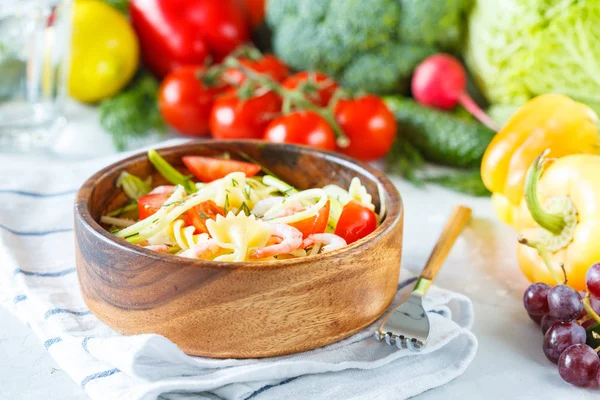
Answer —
(452, 230)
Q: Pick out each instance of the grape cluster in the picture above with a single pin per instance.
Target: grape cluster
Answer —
(560, 312)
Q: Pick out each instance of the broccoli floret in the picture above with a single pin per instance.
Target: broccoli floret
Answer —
(433, 22)
(362, 42)
(386, 69)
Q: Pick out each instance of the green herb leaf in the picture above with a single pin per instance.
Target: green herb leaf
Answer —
(132, 113)
(405, 159)
(244, 207)
(226, 208)
(468, 182)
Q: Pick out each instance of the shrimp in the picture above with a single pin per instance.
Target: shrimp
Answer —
(291, 239)
(262, 206)
(202, 250)
(163, 189)
(331, 241)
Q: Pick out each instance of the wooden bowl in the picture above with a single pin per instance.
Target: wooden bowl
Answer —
(239, 310)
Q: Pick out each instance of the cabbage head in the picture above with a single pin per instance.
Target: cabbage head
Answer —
(518, 49)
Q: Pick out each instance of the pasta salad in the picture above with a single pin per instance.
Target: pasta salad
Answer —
(239, 211)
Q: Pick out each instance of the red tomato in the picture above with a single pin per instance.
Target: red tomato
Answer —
(232, 118)
(198, 215)
(208, 169)
(268, 64)
(173, 33)
(185, 102)
(316, 224)
(322, 94)
(301, 127)
(151, 203)
(356, 222)
(370, 126)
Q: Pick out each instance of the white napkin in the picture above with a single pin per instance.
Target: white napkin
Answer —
(39, 283)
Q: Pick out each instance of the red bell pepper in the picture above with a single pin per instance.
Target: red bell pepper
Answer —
(173, 33)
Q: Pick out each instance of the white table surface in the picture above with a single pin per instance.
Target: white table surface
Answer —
(509, 363)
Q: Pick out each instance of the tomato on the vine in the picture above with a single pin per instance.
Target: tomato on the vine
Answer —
(315, 224)
(356, 221)
(268, 64)
(234, 118)
(324, 86)
(301, 127)
(370, 126)
(185, 101)
(208, 169)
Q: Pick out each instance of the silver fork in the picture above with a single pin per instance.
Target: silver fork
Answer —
(407, 327)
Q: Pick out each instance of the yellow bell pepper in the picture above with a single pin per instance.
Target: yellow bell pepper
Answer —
(559, 219)
(104, 51)
(549, 121)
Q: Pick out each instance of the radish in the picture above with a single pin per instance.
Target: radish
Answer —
(440, 81)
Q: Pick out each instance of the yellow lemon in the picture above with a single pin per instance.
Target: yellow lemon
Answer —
(104, 51)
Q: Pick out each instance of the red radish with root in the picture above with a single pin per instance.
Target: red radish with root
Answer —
(440, 81)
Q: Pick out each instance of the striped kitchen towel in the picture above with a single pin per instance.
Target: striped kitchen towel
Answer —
(39, 280)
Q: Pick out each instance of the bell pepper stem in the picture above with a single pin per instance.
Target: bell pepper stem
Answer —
(543, 252)
(555, 223)
(588, 308)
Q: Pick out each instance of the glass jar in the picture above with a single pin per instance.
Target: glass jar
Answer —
(35, 37)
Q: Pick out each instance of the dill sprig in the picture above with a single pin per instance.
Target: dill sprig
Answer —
(132, 113)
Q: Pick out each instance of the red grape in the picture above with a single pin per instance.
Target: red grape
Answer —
(536, 318)
(595, 303)
(547, 322)
(579, 365)
(560, 336)
(592, 280)
(535, 298)
(564, 303)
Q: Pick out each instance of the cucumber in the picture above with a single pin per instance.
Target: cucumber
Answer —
(441, 137)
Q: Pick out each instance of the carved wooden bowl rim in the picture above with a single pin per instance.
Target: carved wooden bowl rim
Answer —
(394, 207)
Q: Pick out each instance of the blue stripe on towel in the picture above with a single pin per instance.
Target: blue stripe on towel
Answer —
(267, 387)
(35, 233)
(44, 274)
(36, 194)
(54, 311)
(98, 375)
(52, 341)
(84, 343)
(19, 298)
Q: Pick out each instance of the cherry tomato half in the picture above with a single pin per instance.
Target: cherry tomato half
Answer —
(208, 169)
(268, 65)
(370, 126)
(316, 224)
(198, 215)
(320, 86)
(356, 222)
(151, 203)
(232, 118)
(301, 127)
(185, 102)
